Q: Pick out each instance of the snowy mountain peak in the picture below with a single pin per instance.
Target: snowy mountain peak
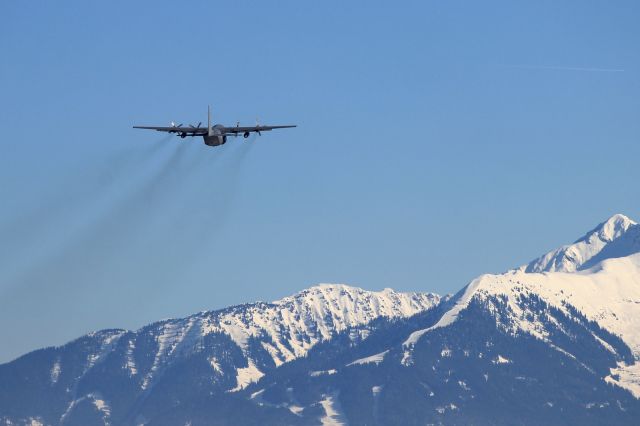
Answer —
(341, 298)
(334, 307)
(276, 332)
(568, 334)
(611, 229)
(598, 276)
(618, 236)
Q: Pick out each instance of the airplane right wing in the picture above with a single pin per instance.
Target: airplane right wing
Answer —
(253, 129)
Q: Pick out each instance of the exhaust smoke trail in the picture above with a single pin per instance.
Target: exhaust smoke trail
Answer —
(54, 228)
(80, 189)
(209, 200)
(219, 197)
(170, 218)
(68, 205)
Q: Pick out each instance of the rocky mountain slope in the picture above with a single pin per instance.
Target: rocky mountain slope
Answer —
(118, 372)
(515, 348)
(556, 341)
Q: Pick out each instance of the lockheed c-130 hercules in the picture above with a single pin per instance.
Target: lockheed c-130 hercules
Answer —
(213, 135)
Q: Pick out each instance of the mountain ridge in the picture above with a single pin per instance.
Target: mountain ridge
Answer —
(310, 356)
(606, 292)
(618, 236)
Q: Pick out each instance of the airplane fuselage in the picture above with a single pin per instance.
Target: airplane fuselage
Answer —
(216, 136)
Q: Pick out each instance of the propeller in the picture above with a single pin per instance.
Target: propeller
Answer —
(173, 124)
(258, 127)
(197, 127)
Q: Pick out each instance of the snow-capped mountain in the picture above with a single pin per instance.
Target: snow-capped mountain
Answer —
(233, 347)
(598, 275)
(617, 237)
(559, 346)
(608, 294)
(285, 329)
(556, 341)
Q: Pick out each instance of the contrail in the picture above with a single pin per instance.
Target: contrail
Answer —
(563, 68)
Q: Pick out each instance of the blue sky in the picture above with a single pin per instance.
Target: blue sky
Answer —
(436, 141)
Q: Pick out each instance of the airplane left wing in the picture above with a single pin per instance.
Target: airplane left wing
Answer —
(189, 130)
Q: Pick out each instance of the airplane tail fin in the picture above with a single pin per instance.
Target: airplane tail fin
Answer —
(209, 130)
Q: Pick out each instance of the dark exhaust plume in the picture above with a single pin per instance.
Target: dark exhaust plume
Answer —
(85, 186)
(102, 240)
(71, 201)
(218, 199)
(171, 214)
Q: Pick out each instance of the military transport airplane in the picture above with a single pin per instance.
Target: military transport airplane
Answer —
(213, 135)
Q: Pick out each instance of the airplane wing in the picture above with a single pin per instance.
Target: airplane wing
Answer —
(237, 130)
(189, 130)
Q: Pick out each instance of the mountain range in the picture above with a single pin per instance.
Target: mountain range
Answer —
(555, 341)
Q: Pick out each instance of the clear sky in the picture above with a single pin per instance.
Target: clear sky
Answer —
(437, 140)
